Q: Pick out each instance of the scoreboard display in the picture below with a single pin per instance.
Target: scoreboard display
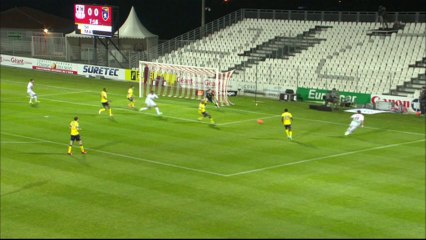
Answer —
(95, 20)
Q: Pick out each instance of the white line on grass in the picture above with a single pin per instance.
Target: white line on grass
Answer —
(233, 174)
(229, 123)
(60, 94)
(126, 109)
(125, 156)
(3, 142)
(246, 120)
(321, 158)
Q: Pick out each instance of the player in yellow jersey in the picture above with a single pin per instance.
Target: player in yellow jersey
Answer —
(75, 136)
(286, 120)
(105, 102)
(202, 111)
(130, 97)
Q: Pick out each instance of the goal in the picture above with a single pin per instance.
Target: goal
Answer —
(182, 81)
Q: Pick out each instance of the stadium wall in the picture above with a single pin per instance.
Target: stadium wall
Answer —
(120, 74)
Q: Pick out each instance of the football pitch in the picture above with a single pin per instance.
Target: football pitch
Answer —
(176, 177)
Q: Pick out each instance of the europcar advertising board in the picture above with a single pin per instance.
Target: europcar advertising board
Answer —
(308, 94)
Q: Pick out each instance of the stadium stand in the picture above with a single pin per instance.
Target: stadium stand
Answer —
(314, 54)
(276, 49)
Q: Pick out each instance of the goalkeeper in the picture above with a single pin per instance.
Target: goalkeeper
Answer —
(211, 97)
(202, 111)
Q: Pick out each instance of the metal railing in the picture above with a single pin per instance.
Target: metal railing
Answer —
(50, 47)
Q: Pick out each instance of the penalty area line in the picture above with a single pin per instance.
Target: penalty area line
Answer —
(125, 156)
(321, 158)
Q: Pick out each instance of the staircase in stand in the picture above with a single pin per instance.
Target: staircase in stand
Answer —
(280, 48)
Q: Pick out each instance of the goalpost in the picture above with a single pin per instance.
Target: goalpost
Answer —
(182, 81)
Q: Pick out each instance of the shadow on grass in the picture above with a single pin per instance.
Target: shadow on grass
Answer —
(360, 133)
(99, 147)
(81, 160)
(214, 126)
(304, 144)
(44, 153)
(112, 119)
(26, 186)
(17, 102)
(162, 118)
(267, 138)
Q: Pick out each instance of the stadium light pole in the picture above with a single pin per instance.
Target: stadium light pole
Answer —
(203, 16)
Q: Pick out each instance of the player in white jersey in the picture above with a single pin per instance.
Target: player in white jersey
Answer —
(30, 91)
(357, 120)
(149, 101)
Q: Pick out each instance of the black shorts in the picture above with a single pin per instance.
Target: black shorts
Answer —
(205, 114)
(105, 104)
(75, 138)
(287, 127)
(131, 99)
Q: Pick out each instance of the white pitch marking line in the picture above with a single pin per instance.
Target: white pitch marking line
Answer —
(60, 94)
(238, 110)
(5, 142)
(126, 156)
(125, 109)
(246, 120)
(233, 174)
(320, 158)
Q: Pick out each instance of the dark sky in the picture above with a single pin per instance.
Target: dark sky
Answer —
(170, 18)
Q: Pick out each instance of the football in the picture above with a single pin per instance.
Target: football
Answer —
(260, 121)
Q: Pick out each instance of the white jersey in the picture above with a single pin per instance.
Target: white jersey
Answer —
(150, 99)
(30, 87)
(357, 119)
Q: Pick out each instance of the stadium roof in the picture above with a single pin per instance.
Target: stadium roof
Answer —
(29, 18)
(133, 28)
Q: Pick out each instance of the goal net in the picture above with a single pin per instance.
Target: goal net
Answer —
(182, 81)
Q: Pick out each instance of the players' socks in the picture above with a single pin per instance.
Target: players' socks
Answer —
(110, 112)
(69, 149)
(101, 110)
(82, 148)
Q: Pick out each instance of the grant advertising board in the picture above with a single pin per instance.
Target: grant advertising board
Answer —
(14, 61)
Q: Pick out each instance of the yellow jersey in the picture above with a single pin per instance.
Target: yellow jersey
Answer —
(287, 118)
(202, 107)
(104, 97)
(74, 126)
(130, 93)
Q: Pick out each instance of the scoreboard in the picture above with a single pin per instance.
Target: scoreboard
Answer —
(95, 20)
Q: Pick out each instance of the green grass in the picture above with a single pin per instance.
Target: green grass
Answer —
(174, 177)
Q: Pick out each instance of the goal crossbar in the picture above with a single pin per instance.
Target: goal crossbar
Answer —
(183, 81)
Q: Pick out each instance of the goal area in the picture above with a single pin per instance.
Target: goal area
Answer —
(182, 81)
